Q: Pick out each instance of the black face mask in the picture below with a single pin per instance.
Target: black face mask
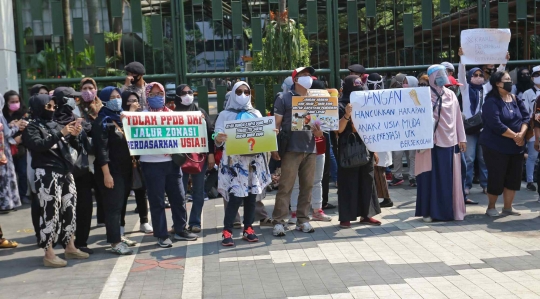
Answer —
(47, 115)
(507, 86)
(136, 79)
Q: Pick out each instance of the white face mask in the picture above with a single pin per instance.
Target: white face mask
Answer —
(305, 82)
(187, 99)
(477, 80)
(536, 80)
(71, 102)
(243, 99)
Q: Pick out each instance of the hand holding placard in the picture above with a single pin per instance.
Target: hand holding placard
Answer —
(484, 46)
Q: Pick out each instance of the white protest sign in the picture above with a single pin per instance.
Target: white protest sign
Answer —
(484, 46)
(394, 119)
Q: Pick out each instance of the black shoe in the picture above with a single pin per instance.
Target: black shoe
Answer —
(167, 204)
(329, 206)
(86, 249)
(531, 187)
(249, 235)
(136, 210)
(226, 238)
(475, 180)
(412, 182)
(396, 182)
(470, 202)
(186, 236)
(386, 203)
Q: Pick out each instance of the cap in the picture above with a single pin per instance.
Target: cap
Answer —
(536, 69)
(65, 92)
(453, 81)
(357, 68)
(301, 69)
(448, 65)
(135, 67)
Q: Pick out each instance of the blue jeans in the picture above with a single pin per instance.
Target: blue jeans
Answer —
(333, 163)
(532, 155)
(197, 194)
(20, 169)
(474, 151)
(164, 177)
(232, 209)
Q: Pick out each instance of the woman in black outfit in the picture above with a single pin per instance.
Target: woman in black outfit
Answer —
(112, 167)
(51, 159)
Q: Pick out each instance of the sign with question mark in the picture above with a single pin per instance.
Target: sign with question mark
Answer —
(251, 136)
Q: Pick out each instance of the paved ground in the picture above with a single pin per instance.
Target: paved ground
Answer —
(404, 258)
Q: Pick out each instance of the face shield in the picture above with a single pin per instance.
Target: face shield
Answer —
(373, 85)
(439, 75)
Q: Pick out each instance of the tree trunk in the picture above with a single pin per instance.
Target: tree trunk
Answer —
(282, 8)
(117, 28)
(93, 20)
(67, 20)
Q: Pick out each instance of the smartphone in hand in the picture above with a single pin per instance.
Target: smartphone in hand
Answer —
(79, 121)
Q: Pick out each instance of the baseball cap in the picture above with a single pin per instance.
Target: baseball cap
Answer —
(448, 65)
(453, 81)
(65, 92)
(536, 69)
(357, 68)
(301, 69)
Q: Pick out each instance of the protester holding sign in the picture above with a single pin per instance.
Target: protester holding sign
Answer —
(438, 170)
(529, 99)
(184, 102)
(241, 177)
(162, 175)
(357, 196)
(506, 120)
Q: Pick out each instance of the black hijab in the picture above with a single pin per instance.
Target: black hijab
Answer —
(37, 105)
(64, 113)
(349, 85)
(35, 89)
(523, 82)
(178, 101)
(125, 96)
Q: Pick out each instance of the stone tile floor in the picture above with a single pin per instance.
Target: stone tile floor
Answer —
(479, 257)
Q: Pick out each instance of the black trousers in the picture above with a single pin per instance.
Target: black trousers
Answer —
(113, 202)
(326, 172)
(84, 185)
(142, 206)
(100, 211)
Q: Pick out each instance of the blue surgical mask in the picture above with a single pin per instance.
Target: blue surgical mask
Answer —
(440, 81)
(156, 102)
(114, 104)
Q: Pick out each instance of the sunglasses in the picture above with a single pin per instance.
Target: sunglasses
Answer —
(246, 92)
(51, 106)
(422, 84)
(477, 75)
(183, 93)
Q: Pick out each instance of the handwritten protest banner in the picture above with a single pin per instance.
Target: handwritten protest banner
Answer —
(309, 110)
(484, 46)
(251, 136)
(394, 119)
(152, 133)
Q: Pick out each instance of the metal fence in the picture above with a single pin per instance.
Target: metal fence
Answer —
(204, 42)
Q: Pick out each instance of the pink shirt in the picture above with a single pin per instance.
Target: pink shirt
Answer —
(450, 130)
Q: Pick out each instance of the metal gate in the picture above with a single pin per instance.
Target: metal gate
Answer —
(208, 42)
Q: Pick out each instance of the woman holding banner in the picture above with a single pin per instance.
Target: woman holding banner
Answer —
(357, 196)
(241, 177)
(438, 170)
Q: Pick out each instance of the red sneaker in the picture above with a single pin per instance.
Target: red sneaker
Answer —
(389, 177)
(345, 224)
(226, 238)
(370, 221)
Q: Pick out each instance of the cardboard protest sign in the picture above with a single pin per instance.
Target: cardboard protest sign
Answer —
(394, 119)
(153, 133)
(309, 110)
(251, 136)
(484, 46)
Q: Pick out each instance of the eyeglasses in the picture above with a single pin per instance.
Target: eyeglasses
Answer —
(159, 94)
(536, 75)
(477, 75)
(183, 93)
(422, 84)
(51, 106)
(115, 97)
(246, 92)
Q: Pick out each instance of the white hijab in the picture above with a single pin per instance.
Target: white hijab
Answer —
(233, 107)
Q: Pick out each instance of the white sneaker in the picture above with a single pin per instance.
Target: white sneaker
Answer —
(132, 193)
(319, 215)
(206, 199)
(146, 228)
(305, 227)
(122, 230)
(293, 219)
(428, 219)
(279, 230)
(492, 213)
(121, 249)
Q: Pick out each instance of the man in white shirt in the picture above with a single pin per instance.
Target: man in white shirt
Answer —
(529, 98)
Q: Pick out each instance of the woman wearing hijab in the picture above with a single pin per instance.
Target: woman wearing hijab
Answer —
(241, 177)
(130, 102)
(162, 175)
(506, 120)
(112, 167)
(529, 98)
(523, 82)
(357, 195)
(9, 193)
(51, 158)
(438, 170)
(184, 102)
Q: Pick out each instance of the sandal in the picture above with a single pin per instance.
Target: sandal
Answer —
(8, 244)
(266, 222)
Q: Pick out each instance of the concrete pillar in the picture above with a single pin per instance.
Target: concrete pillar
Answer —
(8, 57)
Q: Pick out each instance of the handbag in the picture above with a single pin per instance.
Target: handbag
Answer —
(81, 165)
(320, 143)
(474, 124)
(136, 177)
(283, 141)
(194, 163)
(353, 152)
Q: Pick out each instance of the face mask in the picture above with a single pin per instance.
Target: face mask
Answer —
(243, 99)
(114, 104)
(405, 85)
(507, 86)
(477, 80)
(536, 80)
(156, 102)
(14, 107)
(187, 99)
(88, 96)
(305, 82)
(440, 81)
(71, 102)
(136, 79)
(47, 115)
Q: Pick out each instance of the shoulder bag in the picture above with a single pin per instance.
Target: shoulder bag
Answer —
(194, 163)
(474, 124)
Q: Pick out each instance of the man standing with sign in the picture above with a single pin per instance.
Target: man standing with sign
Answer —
(298, 159)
